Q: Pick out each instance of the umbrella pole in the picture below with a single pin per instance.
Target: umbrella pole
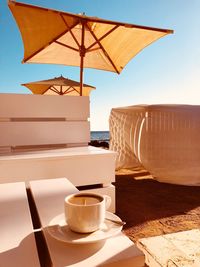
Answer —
(82, 54)
(81, 77)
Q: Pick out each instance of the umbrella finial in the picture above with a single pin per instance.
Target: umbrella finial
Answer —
(82, 13)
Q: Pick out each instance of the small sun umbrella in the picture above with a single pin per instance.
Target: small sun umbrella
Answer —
(59, 85)
(57, 37)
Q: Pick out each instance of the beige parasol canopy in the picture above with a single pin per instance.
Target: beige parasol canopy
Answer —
(58, 37)
(59, 85)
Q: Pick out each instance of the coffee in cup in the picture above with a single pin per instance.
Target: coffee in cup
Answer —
(85, 212)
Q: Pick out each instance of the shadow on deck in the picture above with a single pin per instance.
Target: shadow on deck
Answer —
(152, 208)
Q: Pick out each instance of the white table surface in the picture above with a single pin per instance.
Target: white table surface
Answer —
(17, 241)
(116, 251)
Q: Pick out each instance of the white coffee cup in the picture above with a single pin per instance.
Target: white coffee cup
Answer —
(85, 212)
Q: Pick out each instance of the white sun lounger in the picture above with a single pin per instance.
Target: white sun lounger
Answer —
(44, 136)
(17, 240)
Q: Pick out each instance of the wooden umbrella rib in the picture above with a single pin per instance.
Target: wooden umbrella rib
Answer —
(66, 91)
(70, 30)
(75, 89)
(102, 37)
(127, 25)
(69, 91)
(67, 46)
(52, 41)
(93, 49)
(103, 49)
(46, 90)
(52, 88)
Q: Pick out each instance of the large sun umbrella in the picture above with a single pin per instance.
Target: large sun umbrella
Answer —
(58, 37)
(59, 85)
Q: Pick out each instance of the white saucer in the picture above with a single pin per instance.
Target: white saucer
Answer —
(60, 230)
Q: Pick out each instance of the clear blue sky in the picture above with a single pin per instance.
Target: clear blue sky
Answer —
(168, 71)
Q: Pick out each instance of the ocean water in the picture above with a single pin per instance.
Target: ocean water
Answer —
(99, 135)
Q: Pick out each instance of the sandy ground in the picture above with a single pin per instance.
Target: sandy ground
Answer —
(152, 208)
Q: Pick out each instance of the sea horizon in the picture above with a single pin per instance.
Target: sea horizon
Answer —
(100, 135)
